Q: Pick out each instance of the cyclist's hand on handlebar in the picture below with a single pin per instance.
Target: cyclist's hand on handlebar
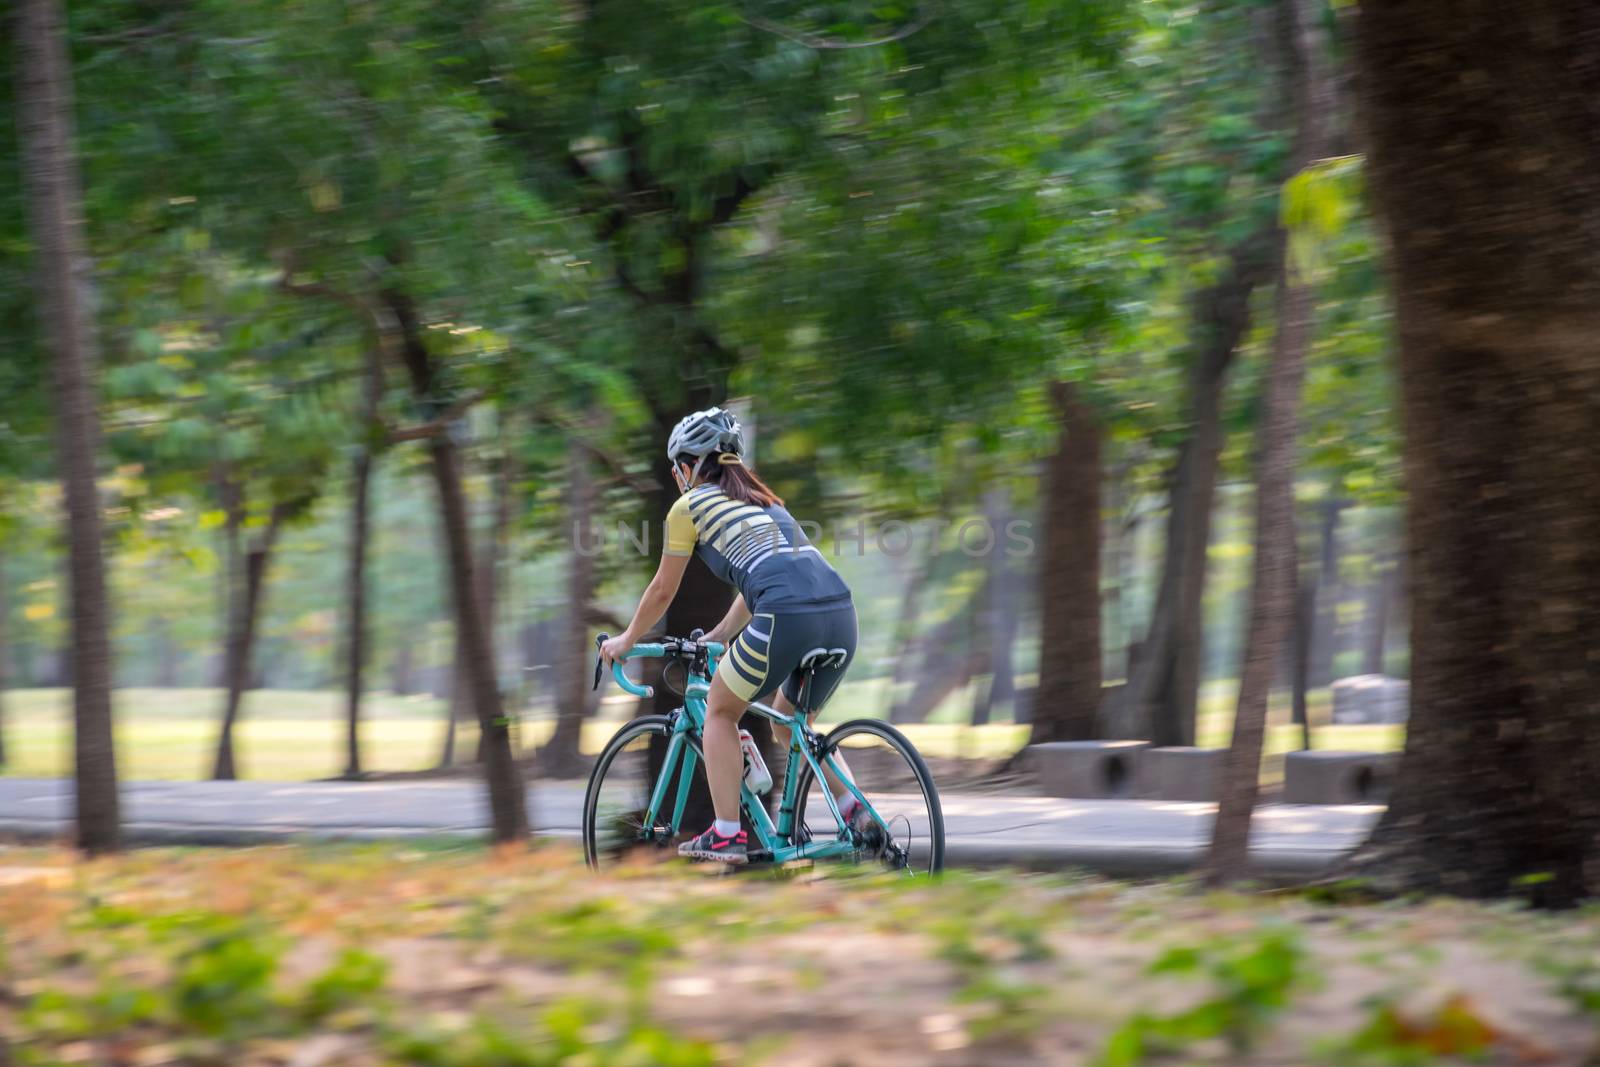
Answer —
(617, 647)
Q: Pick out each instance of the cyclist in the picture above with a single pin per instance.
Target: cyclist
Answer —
(790, 603)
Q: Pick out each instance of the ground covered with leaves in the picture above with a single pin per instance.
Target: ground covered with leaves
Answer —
(311, 956)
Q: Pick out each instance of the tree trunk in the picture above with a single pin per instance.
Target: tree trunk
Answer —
(248, 589)
(1162, 693)
(55, 206)
(1272, 593)
(1067, 701)
(1483, 126)
(997, 622)
(1376, 623)
(573, 682)
(507, 796)
(360, 534)
(1305, 597)
(459, 697)
(908, 630)
(356, 594)
(495, 550)
(1325, 630)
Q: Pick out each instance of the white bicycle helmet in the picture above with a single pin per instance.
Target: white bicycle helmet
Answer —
(705, 432)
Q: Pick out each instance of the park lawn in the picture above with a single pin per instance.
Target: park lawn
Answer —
(283, 735)
(458, 957)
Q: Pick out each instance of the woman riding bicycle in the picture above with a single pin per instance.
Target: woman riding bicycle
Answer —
(790, 603)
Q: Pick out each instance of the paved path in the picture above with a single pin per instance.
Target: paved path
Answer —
(1123, 837)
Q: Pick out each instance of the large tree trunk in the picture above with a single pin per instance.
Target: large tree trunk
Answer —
(246, 595)
(1067, 702)
(55, 206)
(573, 684)
(1162, 694)
(508, 802)
(1272, 592)
(1483, 127)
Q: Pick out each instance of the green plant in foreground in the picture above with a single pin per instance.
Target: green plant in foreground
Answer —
(571, 1032)
(1253, 978)
(1392, 1037)
(354, 978)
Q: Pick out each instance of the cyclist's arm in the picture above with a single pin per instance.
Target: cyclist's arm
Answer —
(731, 623)
(653, 604)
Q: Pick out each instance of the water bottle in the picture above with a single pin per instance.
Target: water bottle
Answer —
(756, 775)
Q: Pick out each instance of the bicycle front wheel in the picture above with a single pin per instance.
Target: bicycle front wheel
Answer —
(892, 775)
(615, 830)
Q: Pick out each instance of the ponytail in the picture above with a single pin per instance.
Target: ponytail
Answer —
(727, 472)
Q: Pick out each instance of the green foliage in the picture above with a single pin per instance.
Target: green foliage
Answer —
(222, 983)
(575, 1031)
(1392, 1037)
(354, 978)
(1251, 979)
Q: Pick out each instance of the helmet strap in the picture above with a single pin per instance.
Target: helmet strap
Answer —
(696, 472)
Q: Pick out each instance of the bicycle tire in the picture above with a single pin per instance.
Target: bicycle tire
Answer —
(913, 758)
(643, 726)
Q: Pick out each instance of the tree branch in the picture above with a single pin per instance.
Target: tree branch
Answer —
(925, 15)
(438, 425)
(621, 474)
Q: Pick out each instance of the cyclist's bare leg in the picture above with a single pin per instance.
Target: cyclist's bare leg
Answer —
(836, 786)
(720, 739)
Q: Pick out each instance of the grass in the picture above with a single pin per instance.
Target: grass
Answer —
(389, 955)
(168, 734)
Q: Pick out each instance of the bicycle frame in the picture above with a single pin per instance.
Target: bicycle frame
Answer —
(776, 838)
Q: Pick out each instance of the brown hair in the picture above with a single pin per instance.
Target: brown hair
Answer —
(738, 481)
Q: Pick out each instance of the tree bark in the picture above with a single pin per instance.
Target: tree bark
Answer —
(1272, 592)
(907, 631)
(1162, 694)
(55, 206)
(575, 695)
(1483, 124)
(1067, 702)
(246, 596)
(507, 796)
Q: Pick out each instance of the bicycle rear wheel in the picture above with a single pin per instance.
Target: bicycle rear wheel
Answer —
(614, 830)
(895, 779)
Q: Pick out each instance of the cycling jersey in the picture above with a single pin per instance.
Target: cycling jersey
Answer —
(761, 552)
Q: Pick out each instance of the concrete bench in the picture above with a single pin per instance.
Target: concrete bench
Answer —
(1332, 777)
(1098, 770)
(1180, 773)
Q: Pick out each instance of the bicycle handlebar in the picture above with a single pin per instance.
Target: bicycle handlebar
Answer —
(672, 646)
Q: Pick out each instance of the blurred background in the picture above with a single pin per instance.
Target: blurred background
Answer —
(1011, 263)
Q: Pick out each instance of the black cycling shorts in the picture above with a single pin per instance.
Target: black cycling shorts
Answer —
(768, 651)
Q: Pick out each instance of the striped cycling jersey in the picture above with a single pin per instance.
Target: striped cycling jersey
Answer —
(761, 552)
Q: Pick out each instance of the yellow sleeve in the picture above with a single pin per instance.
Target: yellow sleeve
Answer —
(681, 534)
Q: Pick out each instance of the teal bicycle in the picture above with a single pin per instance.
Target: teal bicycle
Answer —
(641, 783)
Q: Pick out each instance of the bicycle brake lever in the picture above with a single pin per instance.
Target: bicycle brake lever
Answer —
(599, 661)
